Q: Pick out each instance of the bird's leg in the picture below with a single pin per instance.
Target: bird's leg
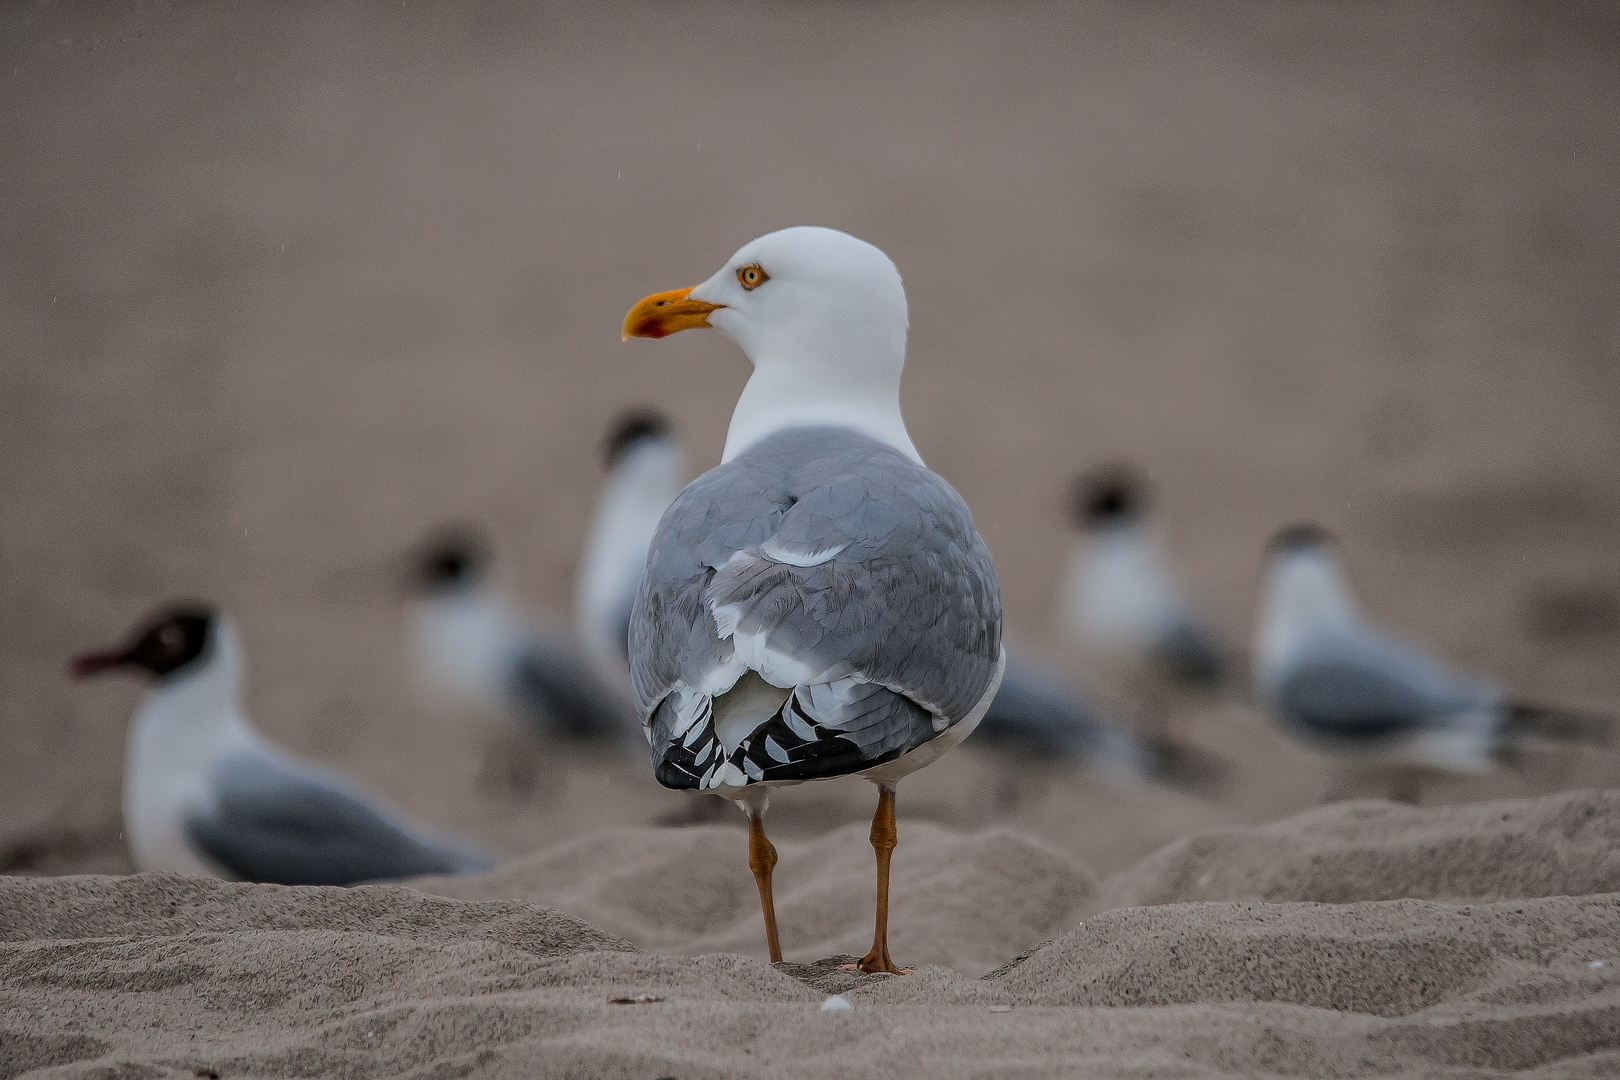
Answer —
(762, 860)
(884, 838)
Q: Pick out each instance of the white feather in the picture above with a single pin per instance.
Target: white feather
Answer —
(634, 497)
(777, 551)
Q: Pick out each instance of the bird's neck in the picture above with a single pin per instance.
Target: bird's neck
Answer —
(633, 500)
(645, 481)
(465, 640)
(191, 720)
(783, 395)
(1307, 592)
(1119, 584)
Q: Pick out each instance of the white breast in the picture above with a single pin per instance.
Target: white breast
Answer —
(463, 646)
(633, 501)
(1117, 592)
(179, 734)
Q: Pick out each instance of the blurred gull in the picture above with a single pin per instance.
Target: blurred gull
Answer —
(646, 470)
(1120, 605)
(205, 794)
(820, 604)
(471, 646)
(1377, 703)
(1038, 711)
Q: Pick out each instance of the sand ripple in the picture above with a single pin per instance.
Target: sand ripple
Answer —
(156, 975)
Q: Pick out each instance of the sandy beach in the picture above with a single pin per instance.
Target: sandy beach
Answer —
(281, 288)
(1285, 963)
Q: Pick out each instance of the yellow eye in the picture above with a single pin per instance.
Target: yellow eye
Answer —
(752, 276)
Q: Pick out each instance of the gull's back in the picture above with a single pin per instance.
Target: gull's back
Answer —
(830, 562)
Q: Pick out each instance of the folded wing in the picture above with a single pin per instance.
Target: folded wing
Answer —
(837, 570)
(1351, 683)
(280, 821)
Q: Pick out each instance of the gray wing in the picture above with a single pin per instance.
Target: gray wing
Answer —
(1039, 712)
(287, 823)
(1191, 653)
(559, 692)
(835, 567)
(1036, 710)
(1355, 683)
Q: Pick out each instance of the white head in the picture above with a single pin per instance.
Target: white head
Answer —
(821, 315)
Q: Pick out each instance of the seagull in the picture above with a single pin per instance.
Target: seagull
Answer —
(1039, 712)
(206, 794)
(1374, 701)
(646, 470)
(819, 604)
(1120, 606)
(470, 645)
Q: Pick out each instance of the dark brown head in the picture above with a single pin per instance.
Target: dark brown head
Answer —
(451, 557)
(631, 428)
(1109, 495)
(175, 639)
(1300, 536)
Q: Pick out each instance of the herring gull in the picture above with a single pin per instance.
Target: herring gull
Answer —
(819, 604)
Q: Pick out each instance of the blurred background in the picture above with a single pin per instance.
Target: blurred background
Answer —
(283, 286)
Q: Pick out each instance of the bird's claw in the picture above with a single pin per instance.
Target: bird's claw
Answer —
(857, 967)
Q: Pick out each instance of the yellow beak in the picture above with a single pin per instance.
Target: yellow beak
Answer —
(665, 313)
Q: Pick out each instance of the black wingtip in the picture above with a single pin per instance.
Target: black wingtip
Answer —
(1300, 536)
(453, 554)
(1561, 725)
(1108, 494)
(629, 429)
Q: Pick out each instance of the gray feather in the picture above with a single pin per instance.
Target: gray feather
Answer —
(1351, 682)
(1037, 710)
(834, 550)
(287, 823)
(1191, 653)
(553, 686)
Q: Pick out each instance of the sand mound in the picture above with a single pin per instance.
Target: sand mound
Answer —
(1388, 958)
(1561, 845)
(158, 975)
(961, 901)
(1401, 988)
(167, 905)
(199, 978)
